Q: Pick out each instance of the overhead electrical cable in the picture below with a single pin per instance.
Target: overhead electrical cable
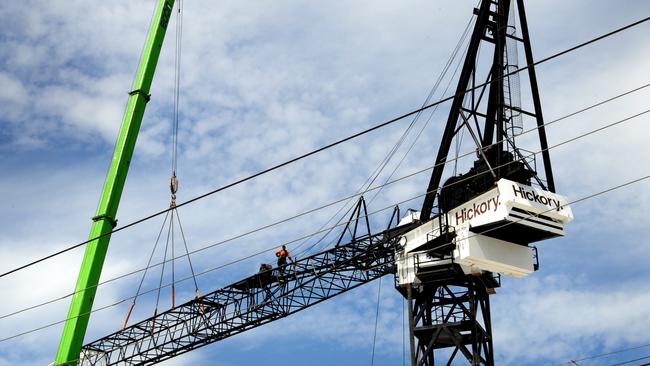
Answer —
(601, 355)
(372, 213)
(413, 198)
(634, 360)
(348, 197)
(313, 152)
(582, 199)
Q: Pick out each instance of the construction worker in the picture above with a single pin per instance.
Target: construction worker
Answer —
(282, 255)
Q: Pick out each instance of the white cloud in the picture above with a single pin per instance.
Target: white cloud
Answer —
(266, 82)
(558, 318)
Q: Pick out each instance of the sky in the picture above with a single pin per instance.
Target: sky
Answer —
(262, 82)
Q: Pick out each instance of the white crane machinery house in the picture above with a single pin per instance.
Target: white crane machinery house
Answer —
(490, 233)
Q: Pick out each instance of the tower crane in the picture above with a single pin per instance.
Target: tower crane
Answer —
(447, 258)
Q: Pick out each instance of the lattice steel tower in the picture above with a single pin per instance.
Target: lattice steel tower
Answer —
(448, 299)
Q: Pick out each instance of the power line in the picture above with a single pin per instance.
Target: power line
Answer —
(634, 360)
(582, 199)
(337, 225)
(457, 182)
(348, 197)
(313, 152)
(606, 354)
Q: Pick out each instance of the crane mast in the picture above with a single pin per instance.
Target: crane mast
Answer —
(480, 224)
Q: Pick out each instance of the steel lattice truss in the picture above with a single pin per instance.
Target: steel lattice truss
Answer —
(453, 315)
(254, 301)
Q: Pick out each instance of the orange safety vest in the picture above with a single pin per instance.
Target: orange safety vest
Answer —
(282, 253)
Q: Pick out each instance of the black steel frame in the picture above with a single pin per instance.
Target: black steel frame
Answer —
(490, 27)
(254, 301)
(451, 314)
(449, 309)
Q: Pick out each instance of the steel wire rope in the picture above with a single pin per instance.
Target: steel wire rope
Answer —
(407, 200)
(162, 272)
(177, 82)
(582, 199)
(313, 152)
(388, 207)
(196, 285)
(417, 137)
(396, 147)
(346, 198)
(173, 172)
(153, 251)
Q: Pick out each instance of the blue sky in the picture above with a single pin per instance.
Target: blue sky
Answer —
(263, 82)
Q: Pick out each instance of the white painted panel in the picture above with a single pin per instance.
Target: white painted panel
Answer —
(483, 253)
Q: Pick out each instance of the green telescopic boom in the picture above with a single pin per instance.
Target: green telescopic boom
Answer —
(103, 223)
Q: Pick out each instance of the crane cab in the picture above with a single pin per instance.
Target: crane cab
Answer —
(489, 233)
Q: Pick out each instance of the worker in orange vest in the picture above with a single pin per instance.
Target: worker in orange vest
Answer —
(282, 255)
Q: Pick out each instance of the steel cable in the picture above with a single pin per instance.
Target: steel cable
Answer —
(378, 211)
(346, 198)
(605, 354)
(582, 199)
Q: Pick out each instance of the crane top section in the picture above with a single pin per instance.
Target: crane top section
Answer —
(490, 232)
(497, 212)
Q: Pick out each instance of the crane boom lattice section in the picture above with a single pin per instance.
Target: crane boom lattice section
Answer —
(259, 299)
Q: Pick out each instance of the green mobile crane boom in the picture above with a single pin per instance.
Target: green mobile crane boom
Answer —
(105, 221)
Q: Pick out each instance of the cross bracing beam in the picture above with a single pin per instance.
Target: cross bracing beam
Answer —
(254, 301)
(454, 314)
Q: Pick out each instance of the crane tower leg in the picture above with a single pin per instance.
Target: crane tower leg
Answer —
(454, 316)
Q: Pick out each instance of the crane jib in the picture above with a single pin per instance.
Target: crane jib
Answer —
(249, 303)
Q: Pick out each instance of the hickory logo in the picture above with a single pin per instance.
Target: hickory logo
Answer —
(534, 197)
(477, 209)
